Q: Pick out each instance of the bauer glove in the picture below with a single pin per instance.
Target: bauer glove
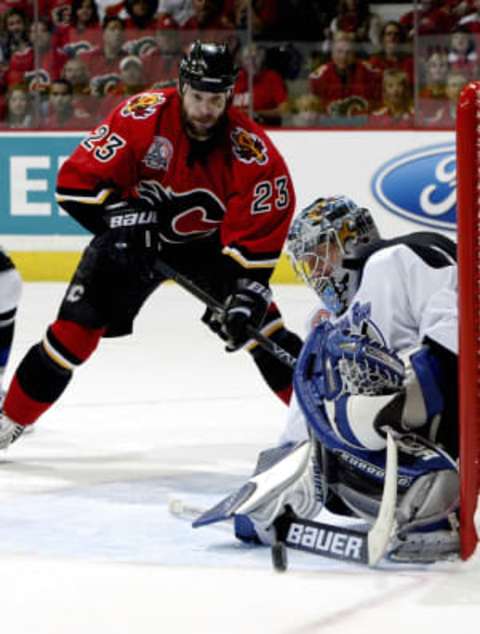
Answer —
(132, 233)
(245, 307)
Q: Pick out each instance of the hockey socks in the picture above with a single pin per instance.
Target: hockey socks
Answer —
(46, 370)
(37, 384)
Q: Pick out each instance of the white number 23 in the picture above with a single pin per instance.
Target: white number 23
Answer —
(266, 194)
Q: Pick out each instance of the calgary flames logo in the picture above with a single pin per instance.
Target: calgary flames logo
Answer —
(350, 107)
(248, 147)
(142, 106)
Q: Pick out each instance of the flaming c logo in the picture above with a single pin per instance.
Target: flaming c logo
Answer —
(142, 106)
(248, 147)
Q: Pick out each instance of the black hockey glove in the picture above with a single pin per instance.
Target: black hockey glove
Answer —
(246, 306)
(132, 233)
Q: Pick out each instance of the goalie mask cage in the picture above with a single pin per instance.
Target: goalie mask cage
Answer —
(468, 233)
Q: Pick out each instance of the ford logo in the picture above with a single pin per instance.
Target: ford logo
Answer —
(421, 186)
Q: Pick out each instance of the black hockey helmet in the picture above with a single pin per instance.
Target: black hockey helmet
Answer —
(208, 67)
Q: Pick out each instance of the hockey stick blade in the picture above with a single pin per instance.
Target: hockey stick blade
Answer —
(381, 532)
(188, 512)
(274, 349)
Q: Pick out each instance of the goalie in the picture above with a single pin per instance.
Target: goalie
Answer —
(382, 354)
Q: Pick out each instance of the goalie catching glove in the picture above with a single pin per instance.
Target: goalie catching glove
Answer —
(244, 308)
(351, 387)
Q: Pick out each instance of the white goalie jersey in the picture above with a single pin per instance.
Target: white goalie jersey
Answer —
(404, 297)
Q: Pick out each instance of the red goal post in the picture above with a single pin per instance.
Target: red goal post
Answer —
(468, 238)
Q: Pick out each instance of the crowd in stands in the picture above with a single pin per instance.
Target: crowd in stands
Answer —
(304, 63)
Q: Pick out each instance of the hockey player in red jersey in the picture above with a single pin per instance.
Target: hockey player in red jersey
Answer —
(180, 172)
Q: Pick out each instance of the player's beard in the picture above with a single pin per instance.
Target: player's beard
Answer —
(203, 131)
(200, 148)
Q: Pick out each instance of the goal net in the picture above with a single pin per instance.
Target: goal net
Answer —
(468, 232)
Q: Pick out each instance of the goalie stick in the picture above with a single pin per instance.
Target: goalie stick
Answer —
(340, 543)
(327, 540)
(275, 350)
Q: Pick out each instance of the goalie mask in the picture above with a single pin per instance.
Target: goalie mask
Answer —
(321, 236)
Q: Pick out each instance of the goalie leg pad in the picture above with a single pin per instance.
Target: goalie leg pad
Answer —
(428, 483)
(278, 482)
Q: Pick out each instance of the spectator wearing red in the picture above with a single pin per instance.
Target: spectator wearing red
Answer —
(471, 20)
(432, 17)
(25, 6)
(395, 51)
(103, 62)
(355, 17)
(57, 12)
(213, 21)
(178, 10)
(132, 81)
(462, 55)
(161, 61)
(39, 64)
(142, 25)
(141, 16)
(84, 32)
(347, 87)
(211, 15)
(270, 93)
(396, 110)
(62, 113)
(264, 16)
(15, 37)
(76, 73)
(18, 108)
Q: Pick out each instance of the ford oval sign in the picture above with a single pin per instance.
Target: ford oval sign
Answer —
(421, 186)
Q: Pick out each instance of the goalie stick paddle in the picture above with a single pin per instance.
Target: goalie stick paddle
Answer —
(381, 532)
(275, 350)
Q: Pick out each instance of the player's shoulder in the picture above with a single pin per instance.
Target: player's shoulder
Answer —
(250, 143)
(412, 251)
(138, 114)
(143, 105)
(389, 259)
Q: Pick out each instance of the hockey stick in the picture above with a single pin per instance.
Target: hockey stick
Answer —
(327, 540)
(341, 543)
(381, 532)
(274, 349)
(189, 512)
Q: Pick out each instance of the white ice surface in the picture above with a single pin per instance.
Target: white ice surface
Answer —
(86, 541)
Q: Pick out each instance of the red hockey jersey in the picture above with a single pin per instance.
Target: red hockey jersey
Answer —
(240, 191)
